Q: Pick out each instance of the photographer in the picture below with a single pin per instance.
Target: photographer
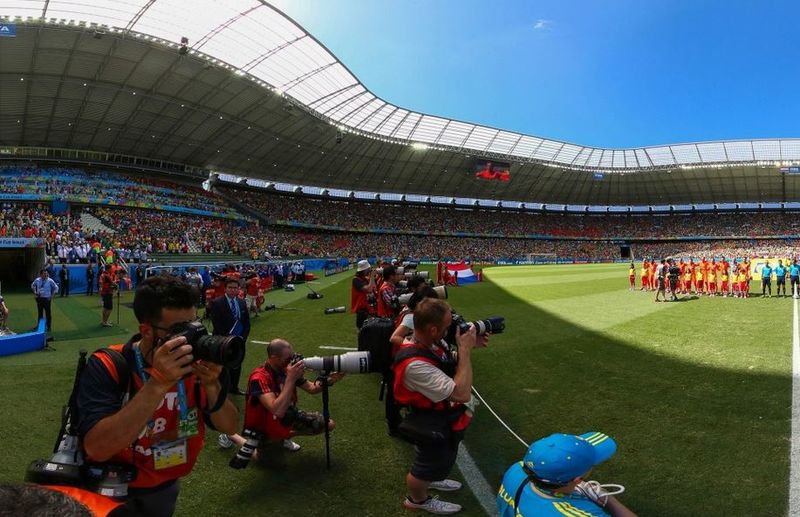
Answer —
(107, 286)
(158, 424)
(552, 479)
(388, 306)
(271, 402)
(435, 387)
(362, 293)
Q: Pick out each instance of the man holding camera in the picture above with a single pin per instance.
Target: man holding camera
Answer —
(388, 306)
(271, 402)
(362, 293)
(157, 424)
(435, 385)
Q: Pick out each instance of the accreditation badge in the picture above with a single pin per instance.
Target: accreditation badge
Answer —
(189, 427)
(169, 454)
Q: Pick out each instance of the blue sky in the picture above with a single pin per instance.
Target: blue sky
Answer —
(613, 73)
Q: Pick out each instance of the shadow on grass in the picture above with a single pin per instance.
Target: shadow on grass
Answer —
(693, 439)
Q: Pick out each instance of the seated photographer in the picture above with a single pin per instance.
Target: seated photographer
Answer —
(158, 424)
(429, 380)
(551, 479)
(271, 402)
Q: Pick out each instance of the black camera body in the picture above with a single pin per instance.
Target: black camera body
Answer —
(245, 452)
(295, 358)
(493, 324)
(225, 350)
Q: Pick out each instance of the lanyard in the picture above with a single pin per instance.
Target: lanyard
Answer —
(182, 401)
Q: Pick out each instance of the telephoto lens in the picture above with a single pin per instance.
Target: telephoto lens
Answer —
(350, 362)
(335, 310)
(245, 452)
(225, 350)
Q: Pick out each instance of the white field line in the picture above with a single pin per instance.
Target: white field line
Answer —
(347, 348)
(475, 481)
(794, 459)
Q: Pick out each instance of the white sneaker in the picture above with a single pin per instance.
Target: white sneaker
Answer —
(289, 445)
(224, 441)
(445, 485)
(433, 505)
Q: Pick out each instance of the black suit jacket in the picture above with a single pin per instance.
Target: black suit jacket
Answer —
(223, 319)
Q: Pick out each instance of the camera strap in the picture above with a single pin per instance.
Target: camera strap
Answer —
(185, 426)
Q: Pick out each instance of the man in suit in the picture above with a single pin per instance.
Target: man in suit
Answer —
(230, 317)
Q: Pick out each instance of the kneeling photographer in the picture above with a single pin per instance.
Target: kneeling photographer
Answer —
(271, 413)
(143, 407)
(435, 385)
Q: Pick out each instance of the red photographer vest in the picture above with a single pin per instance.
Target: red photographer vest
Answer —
(384, 310)
(358, 298)
(99, 505)
(410, 352)
(163, 427)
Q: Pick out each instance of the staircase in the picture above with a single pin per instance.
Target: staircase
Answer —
(91, 224)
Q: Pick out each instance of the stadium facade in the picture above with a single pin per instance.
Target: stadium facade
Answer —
(240, 89)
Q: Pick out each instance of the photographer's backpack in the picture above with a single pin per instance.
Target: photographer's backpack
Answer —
(373, 337)
(64, 468)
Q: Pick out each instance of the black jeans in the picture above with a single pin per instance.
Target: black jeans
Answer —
(43, 306)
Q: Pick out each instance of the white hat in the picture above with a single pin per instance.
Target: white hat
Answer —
(363, 265)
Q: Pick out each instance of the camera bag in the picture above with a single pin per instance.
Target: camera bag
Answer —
(373, 337)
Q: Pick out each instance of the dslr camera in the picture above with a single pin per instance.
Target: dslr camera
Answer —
(493, 324)
(225, 350)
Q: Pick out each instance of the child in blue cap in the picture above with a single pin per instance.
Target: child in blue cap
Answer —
(551, 480)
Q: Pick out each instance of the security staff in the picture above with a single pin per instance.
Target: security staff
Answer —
(44, 288)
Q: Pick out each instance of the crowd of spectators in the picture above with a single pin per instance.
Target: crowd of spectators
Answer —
(70, 184)
(360, 215)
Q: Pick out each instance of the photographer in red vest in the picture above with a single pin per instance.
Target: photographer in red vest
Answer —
(158, 424)
(436, 386)
(362, 293)
(388, 306)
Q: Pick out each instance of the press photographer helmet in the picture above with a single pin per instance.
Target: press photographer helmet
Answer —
(493, 325)
(225, 350)
(350, 362)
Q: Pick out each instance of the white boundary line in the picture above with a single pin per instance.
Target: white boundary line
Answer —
(794, 458)
(475, 481)
(346, 348)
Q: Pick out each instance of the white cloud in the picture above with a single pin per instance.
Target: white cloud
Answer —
(542, 24)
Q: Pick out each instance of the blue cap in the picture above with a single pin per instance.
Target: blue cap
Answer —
(560, 458)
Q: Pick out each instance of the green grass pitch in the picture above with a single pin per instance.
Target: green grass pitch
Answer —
(696, 393)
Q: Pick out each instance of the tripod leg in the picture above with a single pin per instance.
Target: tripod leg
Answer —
(326, 415)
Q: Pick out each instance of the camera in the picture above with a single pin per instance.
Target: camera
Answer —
(493, 325)
(245, 452)
(225, 350)
(441, 292)
(295, 358)
(350, 362)
(336, 310)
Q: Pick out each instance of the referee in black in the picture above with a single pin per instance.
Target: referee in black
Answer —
(674, 272)
(44, 288)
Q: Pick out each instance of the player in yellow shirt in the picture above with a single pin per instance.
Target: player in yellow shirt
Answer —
(632, 277)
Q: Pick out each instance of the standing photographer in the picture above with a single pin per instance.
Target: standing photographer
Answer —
(271, 403)
(155, 425)
(107, 286)
(435, 385)
(362, 293)
(388, 306)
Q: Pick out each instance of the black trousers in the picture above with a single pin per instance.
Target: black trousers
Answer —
(89, 286)
(235, 374)
(392, 409)
(64, 288)
(43, 306)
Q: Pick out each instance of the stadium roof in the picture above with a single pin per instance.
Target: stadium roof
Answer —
(256, 95)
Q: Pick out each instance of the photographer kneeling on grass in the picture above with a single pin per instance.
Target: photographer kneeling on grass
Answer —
(271, 401)
(435, 385)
